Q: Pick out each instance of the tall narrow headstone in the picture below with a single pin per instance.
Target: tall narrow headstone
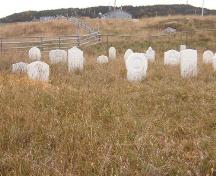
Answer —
(150, 54)
(75, 59)
(214, 63)
(188, 63)
(112, 53)
(127, 54)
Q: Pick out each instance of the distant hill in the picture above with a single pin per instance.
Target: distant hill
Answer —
(92, 12)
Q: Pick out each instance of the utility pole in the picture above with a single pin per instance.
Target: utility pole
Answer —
(114, 5)
(203, 7)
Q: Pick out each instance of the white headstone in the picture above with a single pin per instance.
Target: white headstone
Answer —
(102, 59)
(112, 53)
(20, 67)
(75, 59)
(38, 71)
(172, 57)
(137, 65)
(150, 54)
(183, 47)
(208, 57)
(188, 63)
(58, 56)
(34, 54)
(127, 54)
(214, 63)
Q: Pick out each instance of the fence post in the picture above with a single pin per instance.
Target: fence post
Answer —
(41, 42)
(59, 42)
(78, 41)
(107, 45)
(1, 46)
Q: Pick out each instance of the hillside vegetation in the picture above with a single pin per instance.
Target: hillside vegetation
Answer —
(92, 12)
(97, 123)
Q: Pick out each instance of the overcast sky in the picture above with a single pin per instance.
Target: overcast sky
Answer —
(8, 7)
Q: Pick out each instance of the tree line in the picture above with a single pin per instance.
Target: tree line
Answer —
(93, 12)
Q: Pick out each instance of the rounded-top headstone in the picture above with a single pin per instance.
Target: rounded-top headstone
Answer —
(172, 57)
(38, 71)
(34, 54)
(75, 59)
(19, 67)
(214, 63)
(150, 54)
(58, 56)
(127, 54)
(102, 59)
(137, 65)
(112, 53)
(208, 57)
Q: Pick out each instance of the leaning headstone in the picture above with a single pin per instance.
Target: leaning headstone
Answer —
(38, 71)
(20, 67)
(172, 57)
(58, 56)
(137, 65)
(102, 59)
(214, 63)
(208, 57)
(127, 54)
(183, 47)
(188, 63)
(34, 54)
(112, 53)
(150, 54)
(75, 59)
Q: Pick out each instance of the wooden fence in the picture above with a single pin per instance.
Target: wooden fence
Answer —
(48, 43)
(162, 41)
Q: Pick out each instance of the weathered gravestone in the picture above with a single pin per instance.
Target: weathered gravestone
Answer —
(127, 54)
(172, 57)
(150, 54)
(38, 71)
(34, 54)
(112, 53)
(102, 59)
(19, 67)
(214, 63)
(58, 56)
(188, 64)
(183, 47)
(137, 65)
(75, 59)
(208, 57)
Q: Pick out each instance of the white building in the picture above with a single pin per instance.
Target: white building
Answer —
(117, 14)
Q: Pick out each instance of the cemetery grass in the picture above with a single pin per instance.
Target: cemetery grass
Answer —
(97, 123)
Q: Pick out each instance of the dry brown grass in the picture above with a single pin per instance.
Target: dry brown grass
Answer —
(52, 28)
(97, 123)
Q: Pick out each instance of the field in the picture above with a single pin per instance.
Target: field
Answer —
(97, 123)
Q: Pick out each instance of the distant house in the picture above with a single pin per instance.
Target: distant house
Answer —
(117, 14)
